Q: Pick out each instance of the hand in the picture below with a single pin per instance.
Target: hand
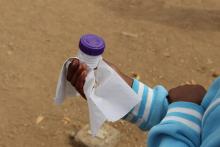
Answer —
(76, 75)
(187, 93)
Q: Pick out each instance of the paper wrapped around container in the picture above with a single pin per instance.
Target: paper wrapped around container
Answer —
(109, 97)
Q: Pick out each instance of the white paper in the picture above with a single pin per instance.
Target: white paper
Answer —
(109, 97)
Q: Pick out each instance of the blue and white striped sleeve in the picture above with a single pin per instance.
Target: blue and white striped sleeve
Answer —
(180, 127)
(151, 109)
(211, 117)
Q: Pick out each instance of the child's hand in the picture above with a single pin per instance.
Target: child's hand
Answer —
(187, 93)
(76, 75)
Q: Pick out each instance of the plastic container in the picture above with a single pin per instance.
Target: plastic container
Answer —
(91, 48)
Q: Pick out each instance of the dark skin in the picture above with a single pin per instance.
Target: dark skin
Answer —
(77, 73)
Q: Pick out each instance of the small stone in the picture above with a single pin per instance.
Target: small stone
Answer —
(42, 127)
(166, 54)
(25, 125)
(72, 134)
(128, 34)
(39, 119)
(182, 60)
(193, 82)
(187, 82)
(202, 69)
(9, 53)
(215, 74)
(42, 144)
(122, 122)
(20, 86)
(65, 110)
(209, 61)
(107, 137)
(135, 75)
(11, 136)
(66, 120)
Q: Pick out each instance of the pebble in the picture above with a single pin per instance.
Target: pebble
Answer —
(107, 136)
(11, 136)
(128, 34)
(193, 82)
(166, 54)
(135, 75)
(182, 60)
(25, 125)
(202, 69)
(72, 134)
(39, 119)
(66, 120)
(42, 144)
(215, 74)
(122, 122)
(9, 53)
(209, 61)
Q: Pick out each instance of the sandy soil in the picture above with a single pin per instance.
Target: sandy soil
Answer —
(165, 42)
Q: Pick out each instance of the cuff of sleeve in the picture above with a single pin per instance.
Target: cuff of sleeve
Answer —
(151, 109)
(212, 93)
(182, 121)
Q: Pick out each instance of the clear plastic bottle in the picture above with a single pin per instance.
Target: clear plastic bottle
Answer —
(91, 49)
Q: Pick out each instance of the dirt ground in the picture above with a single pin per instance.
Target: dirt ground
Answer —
(166, 42)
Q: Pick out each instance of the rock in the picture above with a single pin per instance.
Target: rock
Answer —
(166, 54)
(106, 137)
(160, 77)
(25, 125)
(182, 60)
(39, 119)
(72, 134)
(202, 69)
(215, 74)
(193, 82)
(135, 75)
(9, 53)
(122, 122)
(128, 34)
(66, 120)
(209, 61)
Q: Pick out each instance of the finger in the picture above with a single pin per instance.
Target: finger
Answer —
(72, 68)
(75, 76)
(81, 80)
(80, 83)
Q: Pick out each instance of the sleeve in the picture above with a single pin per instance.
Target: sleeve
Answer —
(151, 109)
(211, 118)
(180, 127)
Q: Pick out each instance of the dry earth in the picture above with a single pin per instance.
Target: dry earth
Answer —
(166, 42)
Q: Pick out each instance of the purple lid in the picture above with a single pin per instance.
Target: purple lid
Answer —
(92, 44)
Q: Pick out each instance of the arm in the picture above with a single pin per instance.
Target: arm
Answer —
(182, 124)
(152, 107)
(211, 118)
(180, 127)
